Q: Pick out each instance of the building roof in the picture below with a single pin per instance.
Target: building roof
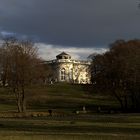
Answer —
(63, 54)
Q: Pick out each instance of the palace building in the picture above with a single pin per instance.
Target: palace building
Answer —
(66, 69)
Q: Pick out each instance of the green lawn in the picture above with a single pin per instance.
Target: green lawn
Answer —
(65, 124)
(63, 97)
(106, 127)
(23, 136)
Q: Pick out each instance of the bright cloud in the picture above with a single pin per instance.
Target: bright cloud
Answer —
(49, 52)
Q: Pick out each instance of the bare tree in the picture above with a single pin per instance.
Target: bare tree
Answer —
(20, 67)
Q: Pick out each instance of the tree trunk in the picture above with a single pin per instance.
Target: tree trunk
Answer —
(132, 101)
(125, 102)
(23, 101)
(19, 103)
(23, 104)
(120, 100)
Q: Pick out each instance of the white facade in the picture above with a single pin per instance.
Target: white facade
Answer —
(68, 70)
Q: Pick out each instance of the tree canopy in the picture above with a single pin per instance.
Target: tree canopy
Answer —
(118, 73)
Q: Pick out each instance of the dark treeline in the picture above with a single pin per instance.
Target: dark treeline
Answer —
(117, 73)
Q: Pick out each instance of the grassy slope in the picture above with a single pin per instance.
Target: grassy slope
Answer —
(64, 97)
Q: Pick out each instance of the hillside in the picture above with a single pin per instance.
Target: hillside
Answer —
(59, 97)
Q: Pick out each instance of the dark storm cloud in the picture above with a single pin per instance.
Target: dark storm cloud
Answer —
(71, 22)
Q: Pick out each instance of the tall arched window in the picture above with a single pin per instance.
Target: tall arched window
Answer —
(63, 74)
(71, 74)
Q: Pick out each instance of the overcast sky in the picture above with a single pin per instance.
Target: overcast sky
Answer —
(78, 27)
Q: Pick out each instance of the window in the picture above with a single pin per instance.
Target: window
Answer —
(71, 74)
(63, 74)
(76, 72)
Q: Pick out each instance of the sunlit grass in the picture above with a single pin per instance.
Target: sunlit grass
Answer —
(97, 127)
(70, 137)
